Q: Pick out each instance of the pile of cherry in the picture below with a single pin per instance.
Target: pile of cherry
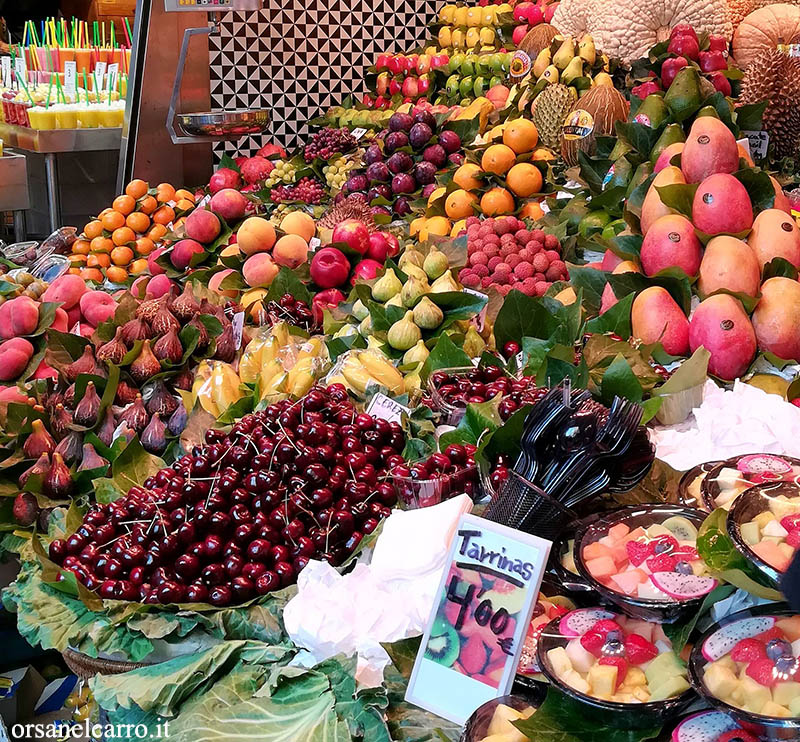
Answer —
(242, 515)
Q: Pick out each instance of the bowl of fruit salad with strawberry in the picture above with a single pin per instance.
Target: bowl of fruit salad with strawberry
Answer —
(612, 662)
(691, 483)
(747, 666)
(544, 611)
(764, 524)
(726, 481)
(644, 559)
(711, 726)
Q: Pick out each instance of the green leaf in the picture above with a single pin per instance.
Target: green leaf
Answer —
(63, 348)
(523, 316)
(47, 313)
(226, 161)
(593, 171)
(287, 282)
(535, 352)
(759, 188)
(651, 407)
(748, 117)
(620, 381)
(592, 281)
(338, 346)
(689, 374)
(403, 654)
(678, 196)
(479, 418)
(458, 305)
(133, 466)
(679, 633)
(617, 319)
(779, 267)
(627, 246)
(445, 354)
(642, 138)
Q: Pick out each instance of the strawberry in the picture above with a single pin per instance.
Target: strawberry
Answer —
(638, 551)
(556, 610)
(737, 735)
(664, 544)
(773, 633)
(638, 650)
(620, 664)
(605, 625)
(793, 539)
(686, 554)
(662, 563)
(748, 650)
(593, 642)
(762, 672)
(791, 522)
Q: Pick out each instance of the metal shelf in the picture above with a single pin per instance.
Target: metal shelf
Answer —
(60, 140)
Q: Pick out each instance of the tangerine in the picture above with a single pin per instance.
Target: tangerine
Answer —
(542, 153)
(115, 274)
(123, 236)
(438, 225)
(124, 204)
(138, 222)
(75, 271)
(497, 201)
(521, 135)
(121, 255)
(98, 260)
(148, 205)
(113, 220)
(498, 159)
(136, 188)
(138, 266)
(92, 274)
(184, 204)
(77, 260)
(156, 232)
(93, 229)
(80, 247)
(531, 210)
(458, 227)
(144, 246)
(417, 225)
(466, 176)
(524, 179)
(165, 192)
(459, 204)
(183, 195)
(164, 215)
(101, 244)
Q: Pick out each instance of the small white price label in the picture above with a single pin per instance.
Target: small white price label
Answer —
(70, 78)
(238, 329)
(358, 133)
(111, 77)
(5, 71)
(759, 143)
(21, 68)
(314, 243)
(386, 408)
(100, 75)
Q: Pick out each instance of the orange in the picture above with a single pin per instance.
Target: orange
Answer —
(144, 246)
(115, 274)
(121, 255)
(164, 192)
(531, 210)
(164, 215)
(98, 260)
(466, 176)
(77, 260)
(543, 154)
(497, 201)
(156, 232)
(75, 271)
(136, 188)
(437, 225)
(459, 204)
(183, 194)
(138, 266)
(80, 247)
(101, 244)
(184, 204)
(113, 220)
(417, 225)
(524, 179)
(93, 229)
(92, 274)
(521, 135)
(124, 204)
(148, 205)
(498, 159)
(138, 222)
(123, 236)
(104, 212)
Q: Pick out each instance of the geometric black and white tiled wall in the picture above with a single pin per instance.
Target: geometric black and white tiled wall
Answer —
(298, 57)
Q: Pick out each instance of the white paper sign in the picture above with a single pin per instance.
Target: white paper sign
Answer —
(238, 329)
(111, 77)
(386, 408)
(759, 142)
(100, 76)
(21, 68)
(358, 133)
(70, 78)
(5, 71)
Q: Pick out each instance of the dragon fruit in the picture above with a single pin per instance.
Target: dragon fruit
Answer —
(726, 638)
(683, 587)
(706, 726)
(763, 463)
(577, 623)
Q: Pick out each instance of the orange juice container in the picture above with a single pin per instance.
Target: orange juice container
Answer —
(83, 61)
(66, 116)
(89, 117)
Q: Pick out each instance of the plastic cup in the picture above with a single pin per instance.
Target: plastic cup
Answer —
(109, 117)
(66, 117)
(41, 118)
(65, 55)
(83, 61)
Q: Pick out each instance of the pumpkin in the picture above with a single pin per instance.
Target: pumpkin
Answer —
(766, 28)
(605, 105)
(538, 38)
(627, 29)
(738, 9)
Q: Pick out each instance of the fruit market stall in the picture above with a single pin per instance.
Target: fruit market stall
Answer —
(472, 417)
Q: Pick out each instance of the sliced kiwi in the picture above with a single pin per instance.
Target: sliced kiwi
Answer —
(443, 644)
(681, 528)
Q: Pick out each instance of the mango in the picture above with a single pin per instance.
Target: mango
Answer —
(776, 320)
(652, 207)
(729, 264)
(781, 199)
(710, 149)
(656, 317)
(671, 243)
(664, 159)
(720, 325)
(775, 235)
(722, 205)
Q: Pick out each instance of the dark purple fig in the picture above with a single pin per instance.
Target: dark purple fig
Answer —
(135, 416)
(87, 411)
(153, 437)
(58, 481)
(25, 509)
(106, 430)
(161, 400)
(40, 468)
(69, 446)
(38, 442)
(177, 421)
(91, 459)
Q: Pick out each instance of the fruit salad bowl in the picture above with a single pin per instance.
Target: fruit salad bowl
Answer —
(562, 565)
(713, 726)
(747, 666)
(764, 524)
(493, 720)
(615, 664)
(689, 487)
(643, 559)
(726, 481)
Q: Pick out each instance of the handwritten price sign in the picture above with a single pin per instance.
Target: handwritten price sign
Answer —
(471, 647)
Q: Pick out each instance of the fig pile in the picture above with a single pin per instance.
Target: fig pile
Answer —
(242, 515)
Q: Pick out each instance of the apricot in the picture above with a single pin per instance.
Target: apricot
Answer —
(255, 235)
(97, 307)
(299, 223)
(290, 250)
(203, 226)
(215, 281)
(18, 317)
(229, 204)
(66, 290)
(15, 354)
(183, 251)
(259, 270)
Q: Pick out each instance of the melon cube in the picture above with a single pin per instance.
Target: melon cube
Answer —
(751, 532)
(619, 531)
(764, 518)
(771, 539)
(601, 568)
(596, 550)
(720, 680)
(772, 555)
(649, 590)
(770, 708)
(636, 534)
(794, 707)
(658, 530)
(784, 693)
(636, 677)
(574, 680)
(669, 687)
(665, 665)
(603, 679)
(581, 659)
(629, 580)
(726, 661)
(640, 627)
(728, 478)
(608, 541)
(619, 554)
(640, 693)
(623, 696)
(774, 528)
(787, 551)
(791, 627)
(781, 506)
(754, 694)
(560, 662)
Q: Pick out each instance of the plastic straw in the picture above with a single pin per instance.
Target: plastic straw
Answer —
(113, 37)
(24, 87)
(128, 32)
(49, 91)
(86, 86)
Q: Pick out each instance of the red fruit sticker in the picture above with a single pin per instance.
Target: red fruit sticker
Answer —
(638, 650)
(620, 663)
(762, 672)
(638, 551)
(748, 650)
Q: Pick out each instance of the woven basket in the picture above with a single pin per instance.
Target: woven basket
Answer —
(86, 667)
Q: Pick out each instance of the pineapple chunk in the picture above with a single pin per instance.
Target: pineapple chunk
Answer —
(574, 680)
(502, 727)
(755, 695)
(784, 693)
(720, 680)
(670, 687)
(770, 708)
(635, 677)
(794, 707)
(763, 518)
(781, 507)
(641, 693)
(726, 661)
(603, 679)
(560, 661)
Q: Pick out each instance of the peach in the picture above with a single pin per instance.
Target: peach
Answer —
(203, 225)
(44, 371)
(60, 321)
(18, 317)
(215, 281)
(157, 286)
(255, 235)
(259, 270)
(66, 290)
(291, 251)
(230, 250)
(229, 204)
(183, 251)
(299, 223)
(12, 394)
(97, 307)
(152, 264)
(14, 357)
(73, 316)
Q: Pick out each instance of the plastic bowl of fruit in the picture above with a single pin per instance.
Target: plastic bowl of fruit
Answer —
(764, 524)
(549, 605)
(493, 721)
(613, 663)
(562, 565)
(728, 479)
(689, 487)
(747, 666)
(643, 559)
(711, 726)
(440, 477)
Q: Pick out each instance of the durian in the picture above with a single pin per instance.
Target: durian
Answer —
(775, 77)
(549, 111)
(348, 209)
